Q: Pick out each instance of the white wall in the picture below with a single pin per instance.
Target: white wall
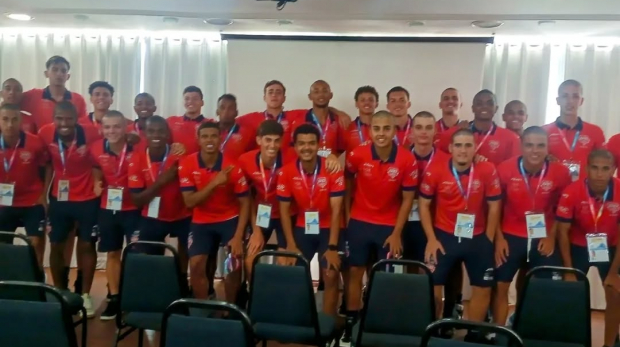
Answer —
(425, 69)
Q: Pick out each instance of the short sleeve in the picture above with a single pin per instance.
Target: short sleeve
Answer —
(42, 155)
(185, 175)
(283, 191)
(565, 211)
(336, 187)
(239, 181)
(599, 139)
(493, 190)
(564, 179)
(410, 178)
(94, 158)
(444, 141)
(515, 146)
(80, 105)
(134, 172)
(341, 134)
(429, 183)
(352, 162)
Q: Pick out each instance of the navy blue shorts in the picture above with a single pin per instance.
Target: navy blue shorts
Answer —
(309, 245)
(156, 230)
(276, 225)
(203, 239)
(63, 216)
(414, 241)
(364, 239)
(477, 253)
(581, 260)
(116, 227)
(32, 218)
(517, 258)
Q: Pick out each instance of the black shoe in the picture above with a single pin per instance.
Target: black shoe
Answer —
(77, 285)
(348, 330)
(111, 310)
(321, 286)
(65, 278)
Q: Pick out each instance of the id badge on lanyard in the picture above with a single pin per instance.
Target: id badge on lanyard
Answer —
(63, 184)
(534, 220)
(153, 208)
(598, 249)
(311, 215)
(115, 193)
(263, 212)
(324, 152)
(465, 220)
(7, 189)
(572, 165)
(414, 213)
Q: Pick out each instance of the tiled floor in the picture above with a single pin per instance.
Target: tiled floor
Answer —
(102, 334)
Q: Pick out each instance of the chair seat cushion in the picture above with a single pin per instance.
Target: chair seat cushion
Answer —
(540, 343)
(144, 320)
(386, 340)
(296, 334)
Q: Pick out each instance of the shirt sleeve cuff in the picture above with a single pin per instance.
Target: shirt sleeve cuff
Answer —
(494, 198)
(242, 194)
(409, 188)
(336, 194)
(283, 198)
(563, 220)
(136, 190)
(426, 196)
(188, 189)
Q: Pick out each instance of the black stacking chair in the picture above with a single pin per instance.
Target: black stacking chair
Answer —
(149, 284)
(282, 305)
(430, 340)
(41, 323)
(184, 325)
(554, 313)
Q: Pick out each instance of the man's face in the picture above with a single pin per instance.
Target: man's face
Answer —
(193, 102)
(462, 149)
(209, 140)
(274, 96)
(484, 107)
(144, 107)
(12, 92)
(10, 122)
(101, 98)
(114, 128)
(307, 146)
(157, 135)
(398, 104)
(366, 103)
(382, 131)
(320, 94)
(269, 144)
(600, 171)
(58, 74)
(570, 99)
(450, 102)
(227, 111)
(534, 148)
(423, 130)
(65, 122)
(515, 115)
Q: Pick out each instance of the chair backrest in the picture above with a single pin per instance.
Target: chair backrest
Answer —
(149, 283)
(554, 310)
(18, 262)
(399, 304)
(52, 318)
(282, 294)
(182, 329)
(428, 339)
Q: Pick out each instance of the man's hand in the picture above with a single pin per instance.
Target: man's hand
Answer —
(613, 280)
(333, 164)
(343, 118)
(222, 177)
(395, 245)
(333, 260)
(431, 250)
(177, 149)
(256, 242)
(501, 251)
(132, 138)
(291, 260)
(169, 175)
(43, 201)
(546, 246)
(98, 188)
(236, 246)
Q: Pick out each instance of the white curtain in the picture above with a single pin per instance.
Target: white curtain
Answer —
(171, 64)
(93, 56)
(519, 71)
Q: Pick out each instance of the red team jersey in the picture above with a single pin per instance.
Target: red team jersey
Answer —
(291, 187)
(357, 133)
(574, 208)
(562, 137)
(435, 157)
(184, 130)
(171, 204)
(286, 118)
(441, 127)
(24, 162)
(404, 134)
(28, 124)
(237, 141)
(332, 133)
(379, 185)
(613, 145)
(440, 185)
(115, 171)
(40, 104)
(497, 145)
(541, 196)
(78, 162)
(223, 203)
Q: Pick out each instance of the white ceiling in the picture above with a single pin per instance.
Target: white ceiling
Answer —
(361, 17)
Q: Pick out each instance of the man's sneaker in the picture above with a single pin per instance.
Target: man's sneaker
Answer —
(88, 305)
(111, 310)
(348, 330)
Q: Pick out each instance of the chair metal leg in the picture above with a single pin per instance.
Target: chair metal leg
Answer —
(118, 337)
(84, 328)
(140, 337)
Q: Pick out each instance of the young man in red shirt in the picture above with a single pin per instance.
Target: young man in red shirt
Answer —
(101, 97)
(467, 200)
(73, 199)
(154, 186)
(398, 103)
(119, 217)
(493, 143)
(358, 132)
(184, 128)
(41, 102)
(515, 116)
(236, 139)
(570, 138)
(450, 104)
(588, 215)
(318, 199)
(214, 187)
(377, 215)
(144, 107)
(12, 93)
(531, 187)
(22, 198)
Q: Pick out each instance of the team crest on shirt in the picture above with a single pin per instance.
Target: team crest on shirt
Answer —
(134, 178)
(82, 150)
(613, 208)
(281, 187)
(197, 177)
(393, 172)
(236, 137)
(563, 209)
(546, 185)
(340, 181)
(242, 181)
(583, 140)
(425, 187)
(321, 182)
(25, 156)
(493, 145)
(475, 185)
(284, 124)
(184, 180)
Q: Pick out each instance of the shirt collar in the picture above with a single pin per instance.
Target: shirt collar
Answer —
(460, 173)
(198, 119)
(424, 158)
(564, 126)
(391, 159)
(91, 117)
(310, 119)
(107, 150)
(80, 136)
(48, 95)
(610, 196)
(409, 121)
(537, 174)
(235, 129)
(216, 167)
(318, 163)
(475, 130)
(278, 159)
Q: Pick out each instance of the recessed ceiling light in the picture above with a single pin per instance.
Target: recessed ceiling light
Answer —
(416, 23)
(81, 17)
(284, 22)
(546, 23)
(170, 20)
(19, 16)
(218, 21)
(484, 24)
